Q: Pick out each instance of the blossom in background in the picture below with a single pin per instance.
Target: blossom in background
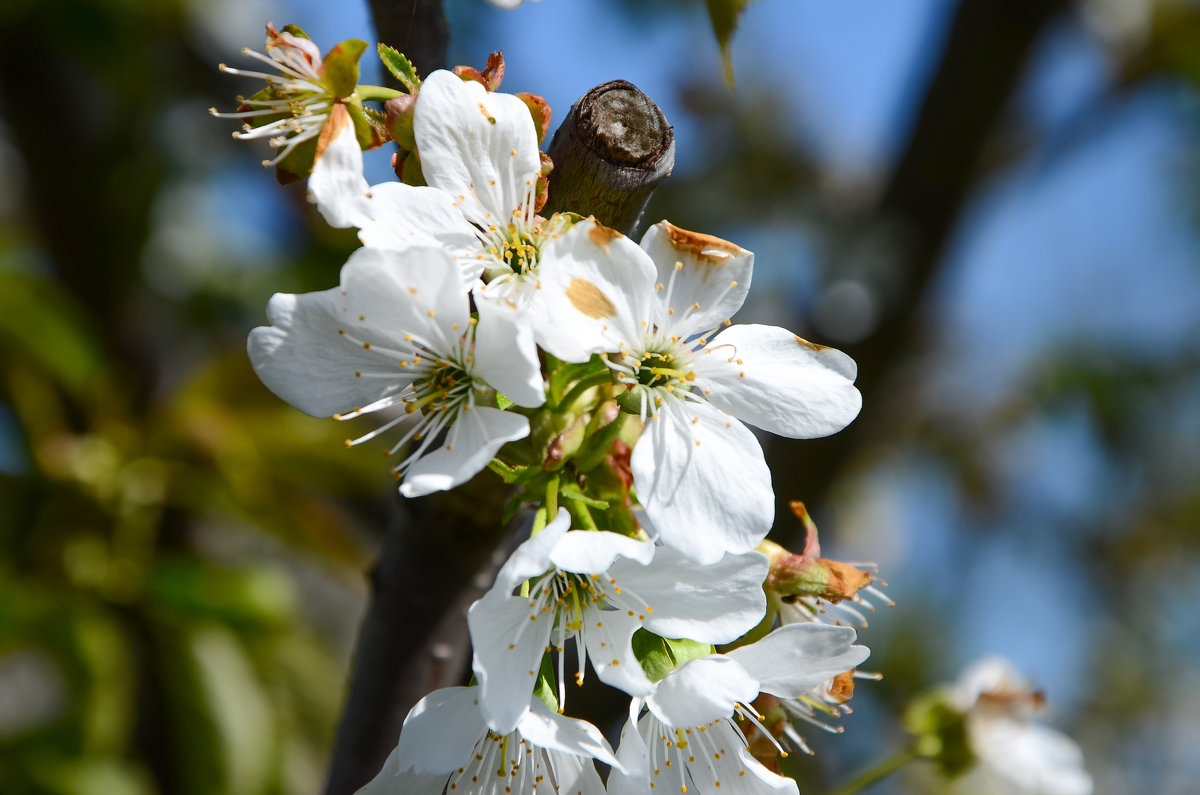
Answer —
(999, 708)
(652, 312)
(600, 588)
(687, 740)
(479, 156)
(398, 335)
(446, 745)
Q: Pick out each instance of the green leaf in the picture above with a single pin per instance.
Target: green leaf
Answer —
(400, 67)
(724, 16)
(339, 70)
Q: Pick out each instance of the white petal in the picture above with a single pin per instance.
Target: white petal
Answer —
(634, 758)
(303, 359)
(403, 215)
(704, 484)
(470, 444)
(989, 674)
(795, 658)
(414, 291)
(608, 635)
(390, 781)
(597, 289)
(771, 378)
(573, 775)
(700, 691)
(544, 728)
(506, 356)
(595, 552)
(479, 147)
(1035, 758)
(508, 649)
(532, 557)
(711, 604)
(441, 731)
(760, 780)
(697, 270)
(336, 184)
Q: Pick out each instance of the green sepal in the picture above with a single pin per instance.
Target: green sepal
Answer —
(659, 656)
(564, 375)
(570, 490)
(339, 69)
(298, 164)
(400, 67)
(503, 402)
(940, 732)
(368, 135)
(511, 508)
(296, 30)
(544, 687)
(513, 474)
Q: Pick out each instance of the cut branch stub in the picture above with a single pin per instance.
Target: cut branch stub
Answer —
(609, 154)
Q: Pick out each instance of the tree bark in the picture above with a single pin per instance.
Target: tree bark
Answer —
(614, 147)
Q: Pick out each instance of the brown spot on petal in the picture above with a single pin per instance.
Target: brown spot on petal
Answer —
(812, 346)
(339, 117)
(601, 235)
(707, 250)
(587, 298)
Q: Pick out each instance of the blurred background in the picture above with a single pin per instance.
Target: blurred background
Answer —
(992, 206)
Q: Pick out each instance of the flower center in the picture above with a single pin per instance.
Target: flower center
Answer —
(661, 370)
(514, 251)
(443, 388)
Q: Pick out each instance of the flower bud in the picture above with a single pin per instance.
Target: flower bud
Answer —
(399, 114)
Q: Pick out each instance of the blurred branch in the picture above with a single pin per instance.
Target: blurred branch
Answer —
(417, 28)
(438, 560)
(986, 51)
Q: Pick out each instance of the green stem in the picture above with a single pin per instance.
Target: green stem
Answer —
(551, 504)
(879, 772)
(584, 515)
(539, 521)
(376, 93)
(583, 385)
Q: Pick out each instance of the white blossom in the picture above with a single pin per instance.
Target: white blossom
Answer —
(999, 710)
(479, 155)
(397, 336)
(687, 740)
(446, 745)
(652, 312)
(600, 588)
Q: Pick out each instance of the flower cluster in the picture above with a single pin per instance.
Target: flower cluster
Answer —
(605, 380)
